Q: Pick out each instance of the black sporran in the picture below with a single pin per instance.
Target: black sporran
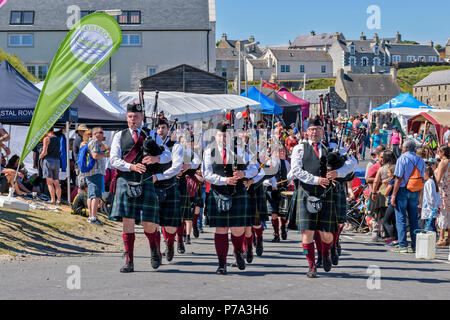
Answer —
(223, 202)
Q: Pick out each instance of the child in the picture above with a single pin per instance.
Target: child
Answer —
(431, 199)
(389, 216)
(79, 205)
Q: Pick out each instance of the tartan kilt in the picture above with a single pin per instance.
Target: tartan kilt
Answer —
(170, 207)
(258, 204)
(238, 216)
(273, 200)
(326, 220)
(185, 203)
(144, 208)
(341, 203)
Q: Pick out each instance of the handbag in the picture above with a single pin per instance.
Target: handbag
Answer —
(223, 202)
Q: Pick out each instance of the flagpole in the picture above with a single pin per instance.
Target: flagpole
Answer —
(67, 162)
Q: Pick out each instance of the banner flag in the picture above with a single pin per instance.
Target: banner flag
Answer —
(85, 49)
(3, 2)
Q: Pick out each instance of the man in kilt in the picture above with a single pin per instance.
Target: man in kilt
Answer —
(127, 158)
(168, 191)
(225, 168)
(308, 166)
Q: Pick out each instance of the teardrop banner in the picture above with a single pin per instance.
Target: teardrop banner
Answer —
(3, 2)
(85, 49)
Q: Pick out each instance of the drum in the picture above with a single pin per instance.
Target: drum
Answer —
(286, 197)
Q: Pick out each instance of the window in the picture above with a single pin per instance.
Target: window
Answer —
(283, 68)
(410, 58)
(302, 68)
(20, 40)
(364, 61)
(22, 17)
(39, 71)
(397, 58)
(352, 61)
(352, 49)
(432, 59)
(421, 59)
(151, 71)
(376, 61)
(129, 17)
(131, 40)
(376, 50)
(224, 64)
(288, 68)
(84, 13)
(236, 64)
(324, 69)
(224, 74)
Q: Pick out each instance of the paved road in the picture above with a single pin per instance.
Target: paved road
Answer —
(279, 274)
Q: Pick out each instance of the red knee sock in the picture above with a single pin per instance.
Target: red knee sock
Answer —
(170, 238)
(222, 245)
(310, 253)
(318, 242)
(154, 239)
(258, 232)
(276, 226)
(128, 242)
(237, 242)
(249, 242)
(283, 223)
(335, 238)
(164, 232)
(195, 219)
(325, 248)
(180, 231)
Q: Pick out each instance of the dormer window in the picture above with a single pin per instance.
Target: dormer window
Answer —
(352, 48)
(376, 50)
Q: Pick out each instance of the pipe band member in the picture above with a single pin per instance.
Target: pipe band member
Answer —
(130, 164)
(309, 168)
(228, 200)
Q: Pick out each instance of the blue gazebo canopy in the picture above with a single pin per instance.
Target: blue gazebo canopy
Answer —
(268, 105)
(403, 100)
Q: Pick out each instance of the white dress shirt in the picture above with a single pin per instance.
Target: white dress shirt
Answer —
(304, 176)
(177, 163)
(213, 178)
(118, 163)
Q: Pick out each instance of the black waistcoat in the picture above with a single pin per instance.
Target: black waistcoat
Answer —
(282, 174)
(126, 144)
(165, 166)
(227, 171)
(311, 163)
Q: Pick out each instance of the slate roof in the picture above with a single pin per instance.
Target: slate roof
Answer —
(259, 63)
(412, 49)
(308, 40)
(370, 85)
(361, 46)
(301, 55)
(311, 95)
(435, 78)
(227, 54)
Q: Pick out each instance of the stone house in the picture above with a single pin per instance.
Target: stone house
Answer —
(434, 90)
(313, 41)
(337, 104)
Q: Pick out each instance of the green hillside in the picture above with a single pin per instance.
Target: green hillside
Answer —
(410, 76)
(17, 63)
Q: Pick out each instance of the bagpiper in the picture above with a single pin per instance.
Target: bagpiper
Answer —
(225, 167)
(135, 199)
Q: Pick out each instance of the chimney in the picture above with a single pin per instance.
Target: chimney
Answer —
(313, 33)
(251, 39)
(431, 43)
(394, 73)
(363, 37)
(398, 37)
(375, 38)
(224, 37)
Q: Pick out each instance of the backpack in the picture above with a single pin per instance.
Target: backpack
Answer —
(85, 160)
(415, 182)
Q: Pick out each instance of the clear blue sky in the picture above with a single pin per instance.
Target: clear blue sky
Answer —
(277, 22)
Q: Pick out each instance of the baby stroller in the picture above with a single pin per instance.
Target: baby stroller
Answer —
(357, 208)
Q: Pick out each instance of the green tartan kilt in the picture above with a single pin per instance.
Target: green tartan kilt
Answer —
(169, 208)
(273, 200)
(258, 204)
(238, 216)
(144, 208)
(341, 203)
(185, 203)
(325, 220)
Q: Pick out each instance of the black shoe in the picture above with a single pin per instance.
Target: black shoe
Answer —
(188, 239)
(283, 234)
(326, 262)
(127, 268)
(259, 248)
(195, 231)
(334, 256)
(312, 272)
(170, 251)
(249, 255)
(339, 249)
(240, 262)
(156, 257)
(276, 239)
(180, 247)
(222, 270)
(319, 263)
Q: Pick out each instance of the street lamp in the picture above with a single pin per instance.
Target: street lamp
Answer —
(245, 63)
(239, 77)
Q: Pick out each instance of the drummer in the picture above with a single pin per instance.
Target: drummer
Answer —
(274, 189)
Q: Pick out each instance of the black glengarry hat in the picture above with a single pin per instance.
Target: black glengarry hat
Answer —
(223, 126)
(315, 122)
(134, 107)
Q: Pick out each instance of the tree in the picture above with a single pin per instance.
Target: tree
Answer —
(438, 47)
